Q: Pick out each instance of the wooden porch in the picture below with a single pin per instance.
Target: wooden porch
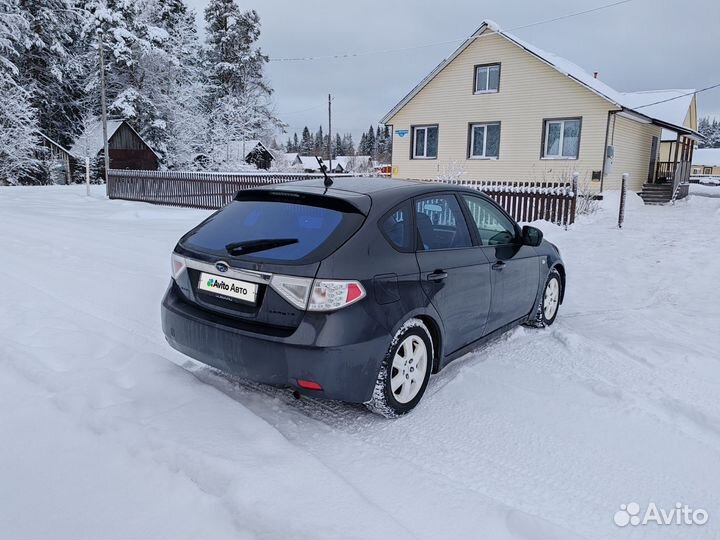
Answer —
(668, 180)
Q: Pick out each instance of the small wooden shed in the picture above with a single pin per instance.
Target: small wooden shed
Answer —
(60, 156)
(126, 147)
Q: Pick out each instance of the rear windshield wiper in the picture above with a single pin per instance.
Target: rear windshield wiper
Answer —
(261, 244)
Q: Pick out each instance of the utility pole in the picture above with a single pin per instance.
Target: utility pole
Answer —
(104, 109)
(330, 131)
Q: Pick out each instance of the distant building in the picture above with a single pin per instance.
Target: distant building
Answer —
(61, 157)
(127, 149)
(252, 152)
(706, 162)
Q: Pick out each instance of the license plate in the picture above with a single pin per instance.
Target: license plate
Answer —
(232, 288)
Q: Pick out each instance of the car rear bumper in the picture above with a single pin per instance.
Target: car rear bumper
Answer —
(322, 349)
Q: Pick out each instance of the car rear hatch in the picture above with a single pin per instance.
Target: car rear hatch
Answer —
(237, 257)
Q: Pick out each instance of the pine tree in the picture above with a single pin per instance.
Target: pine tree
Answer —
(307, 145)
(710, 130)
(49, 67)
(338, 146)
(319, 143)
(296, 143)
(362, 149)
(348, 146)
(18, 123)
(371, 147)
(235, 75)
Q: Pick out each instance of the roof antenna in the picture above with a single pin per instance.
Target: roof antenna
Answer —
(323, 168)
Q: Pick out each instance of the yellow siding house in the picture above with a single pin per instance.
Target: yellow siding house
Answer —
(501, 109)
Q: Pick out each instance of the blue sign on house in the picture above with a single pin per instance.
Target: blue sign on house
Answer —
(401, 132)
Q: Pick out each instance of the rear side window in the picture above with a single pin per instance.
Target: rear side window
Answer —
(314, 231)
(441, 224)
(396, 227)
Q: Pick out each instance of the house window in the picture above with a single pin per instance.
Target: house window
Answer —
(487, 78)
(561, 138)
(425, 142)
(484, 141)
(707, 170)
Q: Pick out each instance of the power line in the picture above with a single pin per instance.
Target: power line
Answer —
(303, 110)
(694, 92)
(438, 43)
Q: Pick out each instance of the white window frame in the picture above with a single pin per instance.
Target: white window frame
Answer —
(487, 79)
(472, 140)
(424, 128)
(561, 121)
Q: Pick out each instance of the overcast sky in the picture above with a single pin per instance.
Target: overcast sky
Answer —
(640, 45)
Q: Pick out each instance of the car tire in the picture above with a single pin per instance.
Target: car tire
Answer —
(549, 300)
(405, 371)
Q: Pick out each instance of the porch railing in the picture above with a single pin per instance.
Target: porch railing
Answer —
(665, 170)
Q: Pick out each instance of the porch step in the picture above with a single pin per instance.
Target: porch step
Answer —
(656, 193)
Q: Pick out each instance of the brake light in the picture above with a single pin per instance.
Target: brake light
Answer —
(177, 264)
(331, 295)
(309, 385)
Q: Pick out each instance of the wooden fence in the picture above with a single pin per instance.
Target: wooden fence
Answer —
(530, 201)
(207, 190)
(524, 201)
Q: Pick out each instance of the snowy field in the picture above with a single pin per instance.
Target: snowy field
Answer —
(542, 434)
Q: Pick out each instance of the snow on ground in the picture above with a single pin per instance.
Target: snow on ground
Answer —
(541, 434)
(705, 190)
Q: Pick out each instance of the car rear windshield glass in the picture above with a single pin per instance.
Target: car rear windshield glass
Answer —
(304, 232)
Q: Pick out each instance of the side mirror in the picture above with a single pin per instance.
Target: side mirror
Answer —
(531, 236)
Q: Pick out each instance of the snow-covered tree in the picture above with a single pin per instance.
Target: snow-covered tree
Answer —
(235, 72)
(50, 68)
(710, 130)
(19, 148)
(348, 146)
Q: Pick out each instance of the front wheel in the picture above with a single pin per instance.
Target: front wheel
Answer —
(405, 371)
(550, 300)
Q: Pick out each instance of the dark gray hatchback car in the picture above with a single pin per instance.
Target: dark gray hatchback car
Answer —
(357, 291)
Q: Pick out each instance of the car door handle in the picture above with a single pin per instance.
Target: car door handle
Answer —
(499, 265)
(437, 275)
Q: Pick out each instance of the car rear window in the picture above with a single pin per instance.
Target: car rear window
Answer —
(319, 227)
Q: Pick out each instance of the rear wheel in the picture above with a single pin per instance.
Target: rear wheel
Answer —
(405, 371)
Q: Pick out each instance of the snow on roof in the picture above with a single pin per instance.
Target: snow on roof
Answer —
(91, 142)
(309, 163)
(60, 146)
(673, 112)
(564, 66)
(710, 157)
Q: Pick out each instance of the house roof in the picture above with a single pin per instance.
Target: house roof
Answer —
(673, 107)
(91, 143)
(560, 64)
(53, 142)
(709, 157)
(309, 163)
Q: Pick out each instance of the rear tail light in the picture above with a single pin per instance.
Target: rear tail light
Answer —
(295, 290)
(331, 295)
(317, 295)
(177, 264)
